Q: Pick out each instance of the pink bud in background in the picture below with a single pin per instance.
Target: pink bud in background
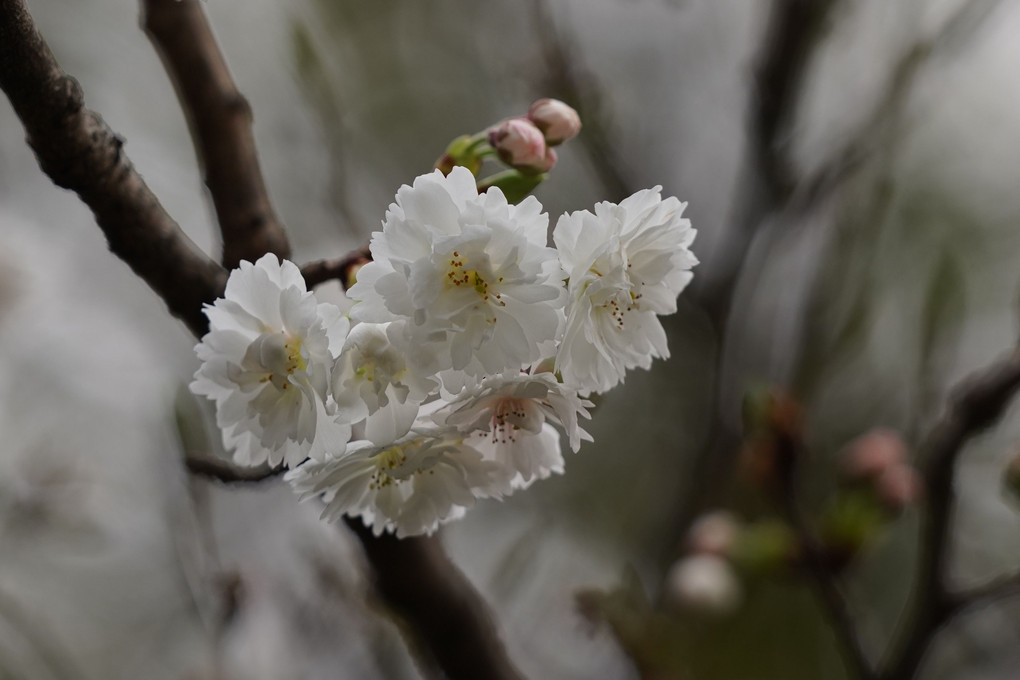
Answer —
(520, 144)
(557, 121)
(871, 454)
(713, 534)
(899, 487)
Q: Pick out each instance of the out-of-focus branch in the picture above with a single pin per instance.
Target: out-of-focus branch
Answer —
(794, 30)
(566, 80)
(832, 599)
(223, 471)
(978, 403)
(339, 269)
(416, 579)
(788, 453)
(996, 590)
(220, 121)
(76, 148)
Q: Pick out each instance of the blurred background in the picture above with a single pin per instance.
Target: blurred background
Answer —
(850, 166)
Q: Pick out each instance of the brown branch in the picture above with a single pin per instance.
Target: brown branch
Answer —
(228, 473)
(220, 121)
(78, 151)
(416, 579)
(340, 269)
(995, 590)
(788, 454)
(975, 405)
(833, 601)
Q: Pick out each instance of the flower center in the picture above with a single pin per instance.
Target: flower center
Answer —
(507, 417)
(385, 462)
(619, 304)
(277, 356)
(457, 276)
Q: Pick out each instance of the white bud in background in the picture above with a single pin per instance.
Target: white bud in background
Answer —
(705, 584)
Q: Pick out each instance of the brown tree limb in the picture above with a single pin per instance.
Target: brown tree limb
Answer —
(228, 473)
(78, 151)
(448, 620)
(340, 269)
(220, 121)
(416, 579)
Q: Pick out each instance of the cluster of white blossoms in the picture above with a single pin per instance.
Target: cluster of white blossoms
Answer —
(470, 349)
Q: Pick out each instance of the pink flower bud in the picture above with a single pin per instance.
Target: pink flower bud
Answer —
(899, 487)
(713, 534)
(520, 144)
(557, 121)
(870, 455)
(547, 163)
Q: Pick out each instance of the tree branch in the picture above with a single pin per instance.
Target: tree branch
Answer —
(975, 405)
(228, 473)
(833, 602)
(416, 579)
(78, 151)
(340, 269)
(220, 121)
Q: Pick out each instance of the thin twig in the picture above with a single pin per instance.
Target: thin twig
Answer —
(78, 151)
(995, 590)
(833, 601)
(220, 121)
(789, 455)
(228, 473)
(340, 269)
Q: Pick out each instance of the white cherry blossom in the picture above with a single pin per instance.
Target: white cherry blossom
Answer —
(266, 362)
(626, 264)
(510, 419)
(470, 275)
(409, 486)
(372, 384)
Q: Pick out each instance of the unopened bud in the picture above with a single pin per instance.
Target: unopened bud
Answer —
(869, 456)
(773, 422)
(713, 534)
(899, 487)
(768, 546)
(557, 121)
(705, 584)
(520, 144)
